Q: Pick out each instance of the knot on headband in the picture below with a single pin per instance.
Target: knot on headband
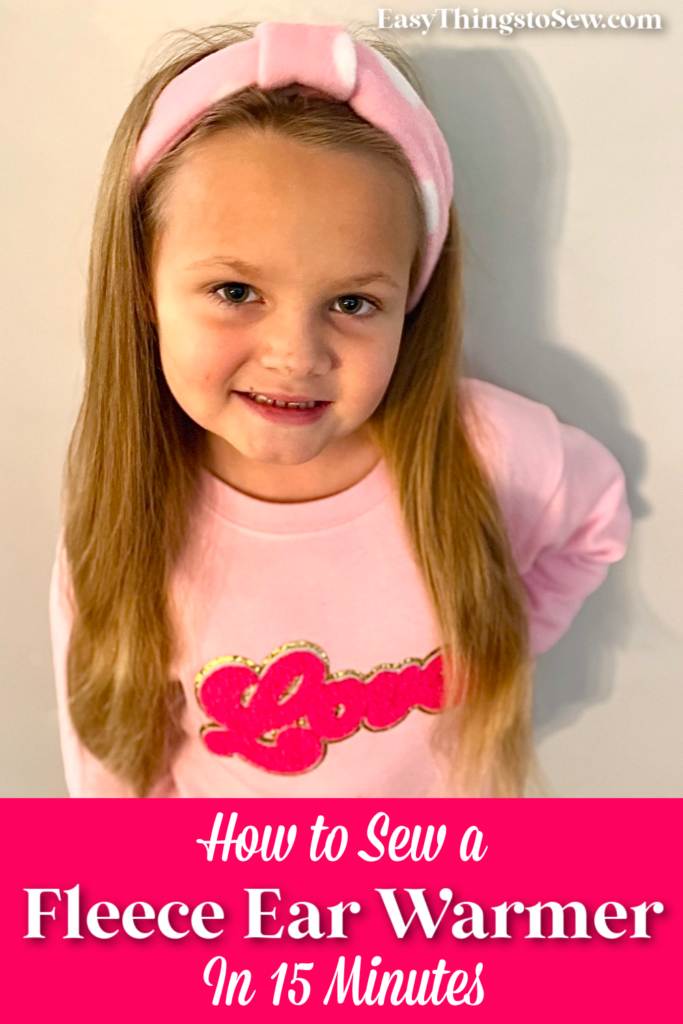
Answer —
(323, 57)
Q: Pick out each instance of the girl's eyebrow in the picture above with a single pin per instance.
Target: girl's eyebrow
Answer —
(361, 279)
(242, 267)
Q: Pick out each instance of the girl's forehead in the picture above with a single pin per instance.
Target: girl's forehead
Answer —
(251, 185)
(260, 147)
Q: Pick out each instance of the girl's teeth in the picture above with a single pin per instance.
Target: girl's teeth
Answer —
(264, 400)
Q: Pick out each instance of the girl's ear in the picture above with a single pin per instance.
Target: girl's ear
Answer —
(149, 313)
(148, 310)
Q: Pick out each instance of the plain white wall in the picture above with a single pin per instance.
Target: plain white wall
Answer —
(567, 151)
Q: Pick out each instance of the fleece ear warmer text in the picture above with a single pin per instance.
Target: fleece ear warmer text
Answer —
(325, 58)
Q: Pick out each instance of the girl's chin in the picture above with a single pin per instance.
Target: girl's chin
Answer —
(263, 453)
(279, 457)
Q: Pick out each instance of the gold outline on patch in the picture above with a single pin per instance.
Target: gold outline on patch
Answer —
(306, 646)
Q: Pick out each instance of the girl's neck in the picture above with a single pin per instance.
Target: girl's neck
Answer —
(338, 467)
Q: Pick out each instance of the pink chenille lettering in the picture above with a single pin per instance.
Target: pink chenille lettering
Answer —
(280, 716)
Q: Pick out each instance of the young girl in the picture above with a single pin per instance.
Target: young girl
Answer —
(302, 556)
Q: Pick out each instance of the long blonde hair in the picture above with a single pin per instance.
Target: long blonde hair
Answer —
(134, 458)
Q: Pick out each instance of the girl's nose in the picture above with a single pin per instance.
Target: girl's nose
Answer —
(293, 344)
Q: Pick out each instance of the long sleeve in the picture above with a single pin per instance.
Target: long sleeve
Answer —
(563, 496)
(85, 774)
(584, 527)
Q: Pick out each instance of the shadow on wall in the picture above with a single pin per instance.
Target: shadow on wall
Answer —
(509, 156)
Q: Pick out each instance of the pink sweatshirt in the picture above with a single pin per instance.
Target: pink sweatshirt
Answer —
(310, 659)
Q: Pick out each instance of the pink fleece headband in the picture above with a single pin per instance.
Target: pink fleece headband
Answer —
(326, 58)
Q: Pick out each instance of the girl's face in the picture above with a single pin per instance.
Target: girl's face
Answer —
(280, 283)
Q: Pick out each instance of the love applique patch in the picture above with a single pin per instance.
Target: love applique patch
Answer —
(281, 715)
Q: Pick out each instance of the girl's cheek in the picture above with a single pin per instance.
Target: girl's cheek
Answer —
(209, 362)
(374, 374)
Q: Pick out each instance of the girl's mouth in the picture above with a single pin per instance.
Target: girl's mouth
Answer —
(294, 409)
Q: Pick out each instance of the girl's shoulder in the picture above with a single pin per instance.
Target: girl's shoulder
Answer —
(557, 485)
(519, 440)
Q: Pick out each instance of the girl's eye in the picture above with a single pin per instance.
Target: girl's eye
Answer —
(237, 292)
(353, 304)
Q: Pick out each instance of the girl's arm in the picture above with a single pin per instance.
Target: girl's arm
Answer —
(85, 774)
(563, 496)
(585, 525)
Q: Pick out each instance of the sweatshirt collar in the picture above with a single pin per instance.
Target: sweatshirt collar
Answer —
(295, 516)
